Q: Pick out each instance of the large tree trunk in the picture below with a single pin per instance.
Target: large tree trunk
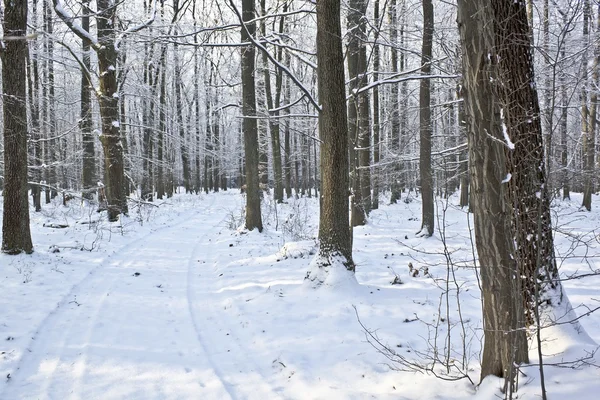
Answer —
(16, 236)
(528, 187)
(335, 241)
(109, 110)
(428, 212)
(249, 125)
(505, 342)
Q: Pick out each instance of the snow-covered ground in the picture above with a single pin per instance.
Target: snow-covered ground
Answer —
(175, 303)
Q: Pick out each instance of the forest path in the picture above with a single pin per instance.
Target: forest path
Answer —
(143, 325)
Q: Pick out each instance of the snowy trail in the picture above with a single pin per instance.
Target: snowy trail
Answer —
(103, 340)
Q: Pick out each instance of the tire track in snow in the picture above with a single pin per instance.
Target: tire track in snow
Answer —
(58, 320)
(252, 388)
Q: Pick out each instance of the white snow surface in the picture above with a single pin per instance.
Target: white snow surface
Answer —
(174, 302)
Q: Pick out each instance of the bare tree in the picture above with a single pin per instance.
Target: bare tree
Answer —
(16, 236)
(428, 212)
(505, 341)
(249, 124)
(335, 241)
(106, 46)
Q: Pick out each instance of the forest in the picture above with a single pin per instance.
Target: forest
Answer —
(303, 199)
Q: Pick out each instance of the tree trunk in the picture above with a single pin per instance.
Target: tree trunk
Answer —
(85, 124)
(335, 241)
(356, 125)
(274, 103)
(376, 145)
(33, 78)
(249, 124)
(183, 145)
(505, 341)
(589, 141)
(16, 236)
(428, 212)
(463, 159)
(395, 147)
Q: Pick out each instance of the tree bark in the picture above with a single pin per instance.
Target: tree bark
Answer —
(335, 241)
(85, 124)
(396, 185)
(589, 141)
(249, 124)
(16, 236)
(425, 129)
(505, 342)
(376, 128)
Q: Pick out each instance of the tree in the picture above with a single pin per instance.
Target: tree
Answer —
(589, 136)
(505, 342)
(85, 124)
(376, 123)
(426, 129)
(335, 241)
(107, 50)
(249, 124)
(509, 180)
(16, 236)
(274, 103)
(358, 113)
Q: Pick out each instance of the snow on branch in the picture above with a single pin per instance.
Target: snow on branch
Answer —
(137, 28)
(73, 25)
(273, 60)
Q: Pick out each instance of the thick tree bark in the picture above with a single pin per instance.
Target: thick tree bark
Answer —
(425, 129)
(16, 236)
(249, 124)
(528, 187)
(335, 242)
(109, 110)
(505, 342)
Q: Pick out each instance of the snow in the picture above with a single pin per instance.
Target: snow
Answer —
(175, 302)
(509, 143)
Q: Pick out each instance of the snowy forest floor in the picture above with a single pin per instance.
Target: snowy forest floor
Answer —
(175, 302)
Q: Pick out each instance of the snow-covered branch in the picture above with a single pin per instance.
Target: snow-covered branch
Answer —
(73, 25)
(274, 61)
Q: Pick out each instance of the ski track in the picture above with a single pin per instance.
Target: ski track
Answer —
(70, 296)
(202, 279)
(99, 339)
